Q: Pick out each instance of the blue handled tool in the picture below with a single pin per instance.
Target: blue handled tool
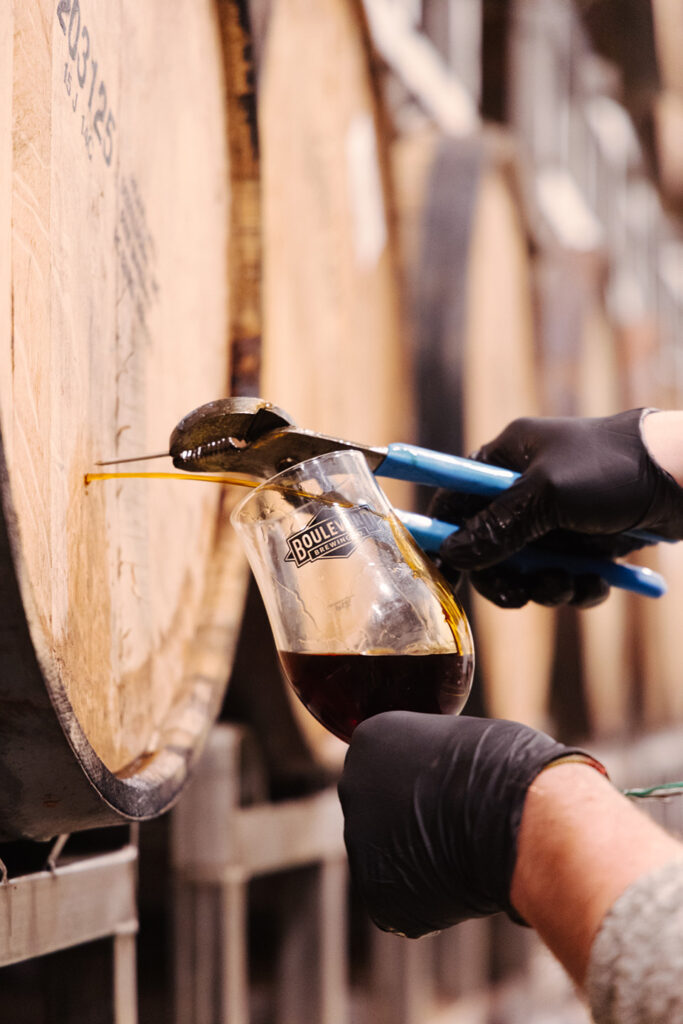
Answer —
(430, 534)
(256, 438)
(422, 466)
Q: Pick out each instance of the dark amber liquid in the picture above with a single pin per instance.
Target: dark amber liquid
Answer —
(341, 690)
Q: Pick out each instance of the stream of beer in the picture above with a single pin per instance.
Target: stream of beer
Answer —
(225, 478)
(409, 550)
(239, 481)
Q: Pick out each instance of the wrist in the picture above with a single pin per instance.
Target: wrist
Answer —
(662, 434)
(577, 757)
(581, 844)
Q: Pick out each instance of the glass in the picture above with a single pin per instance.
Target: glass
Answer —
(362, 620)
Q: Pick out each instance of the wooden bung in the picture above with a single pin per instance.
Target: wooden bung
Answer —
(333, 350)
(129, 220)
(467, 269)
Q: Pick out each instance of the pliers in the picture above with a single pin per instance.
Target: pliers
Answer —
(256, 438)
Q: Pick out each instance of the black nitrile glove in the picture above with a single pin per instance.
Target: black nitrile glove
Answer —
(432, 807)
(593, 477)
(510, 587)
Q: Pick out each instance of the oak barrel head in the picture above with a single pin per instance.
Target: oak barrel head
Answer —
(125, 596)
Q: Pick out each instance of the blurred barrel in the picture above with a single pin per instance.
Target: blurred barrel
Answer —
(648, 342)
(332, 339)
(668, 101)
(646, 358)
(581, 376)
(6, 54)
(466, 264)
(333, 351)
(121, 600)
(657, 625)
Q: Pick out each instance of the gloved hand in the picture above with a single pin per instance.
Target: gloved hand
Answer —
(432, 806)
(594, 477)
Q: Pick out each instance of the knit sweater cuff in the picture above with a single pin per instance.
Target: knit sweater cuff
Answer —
(635, 970)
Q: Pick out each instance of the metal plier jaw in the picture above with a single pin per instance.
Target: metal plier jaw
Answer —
(251, 437)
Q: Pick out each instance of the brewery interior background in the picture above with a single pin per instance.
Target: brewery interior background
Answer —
(518, 174)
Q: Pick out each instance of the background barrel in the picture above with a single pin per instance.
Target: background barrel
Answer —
(668, 101)
(467, 268)
(121, 599)
(581, 376)
(6, 63)
(649, 364)
(333, 347)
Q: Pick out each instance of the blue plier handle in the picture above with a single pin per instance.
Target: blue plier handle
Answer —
(420, 465)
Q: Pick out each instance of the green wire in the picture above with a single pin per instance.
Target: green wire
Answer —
(662, 790)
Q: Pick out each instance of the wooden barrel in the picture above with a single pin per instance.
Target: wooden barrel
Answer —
(581, 377)
(121, 600)
(655, 624)
(662, 692)
(668, 101)
(332, 341)
(6, 54)
(333, 352)
(467, 267)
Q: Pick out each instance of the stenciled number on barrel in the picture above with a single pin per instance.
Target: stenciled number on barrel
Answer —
(103, 120)
(85, 55)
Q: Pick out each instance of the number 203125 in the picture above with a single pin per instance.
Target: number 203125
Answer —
(78, 38)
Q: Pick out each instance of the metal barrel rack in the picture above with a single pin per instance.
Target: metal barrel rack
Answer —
(224, 834)
(72, 902)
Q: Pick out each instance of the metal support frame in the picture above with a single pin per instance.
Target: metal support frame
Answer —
(455, 28)
(74, 903)
(218, 846)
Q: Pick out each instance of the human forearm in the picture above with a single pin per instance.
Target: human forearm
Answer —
(581, 844)
(452, 818)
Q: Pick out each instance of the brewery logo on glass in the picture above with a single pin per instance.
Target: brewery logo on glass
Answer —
(331, 534)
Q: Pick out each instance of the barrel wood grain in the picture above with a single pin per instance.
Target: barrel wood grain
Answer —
(122, 316)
